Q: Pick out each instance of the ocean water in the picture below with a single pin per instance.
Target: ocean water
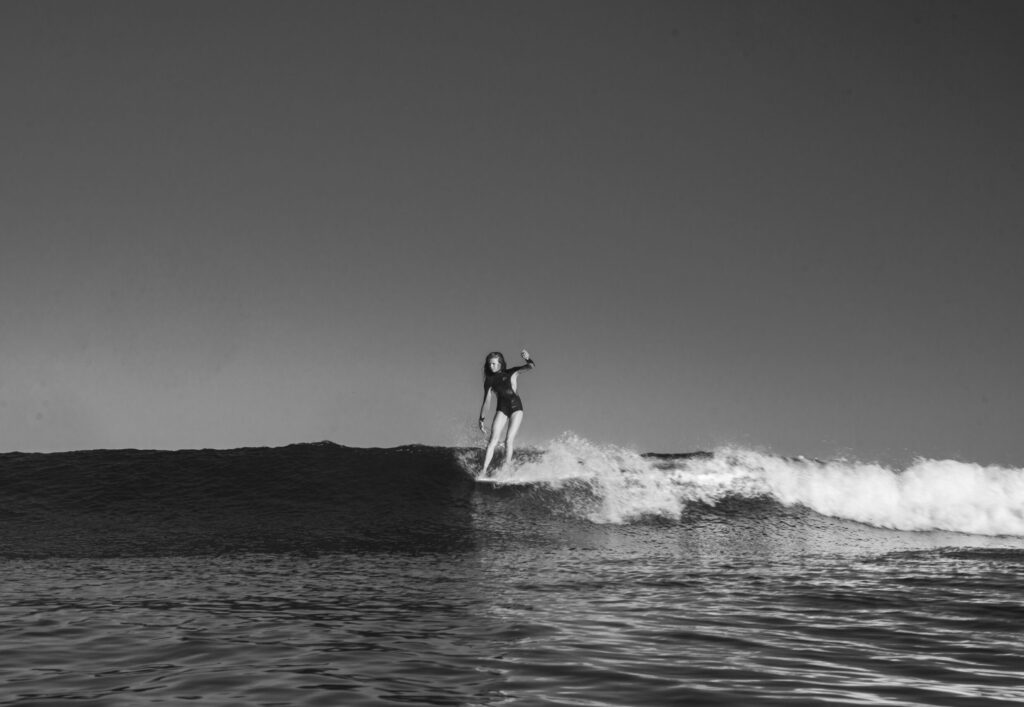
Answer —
(317, 574)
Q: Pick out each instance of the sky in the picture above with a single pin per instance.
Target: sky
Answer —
(791, 226)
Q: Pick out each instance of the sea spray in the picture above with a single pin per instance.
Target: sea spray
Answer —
(610, 484)
(929, 495)
(622, 484)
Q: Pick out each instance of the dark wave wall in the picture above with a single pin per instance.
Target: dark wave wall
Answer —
(300, 498)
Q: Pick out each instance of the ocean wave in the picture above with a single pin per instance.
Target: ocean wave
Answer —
(623, 485)
(313, 498)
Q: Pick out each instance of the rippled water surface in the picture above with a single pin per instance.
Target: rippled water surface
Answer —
(559, 612)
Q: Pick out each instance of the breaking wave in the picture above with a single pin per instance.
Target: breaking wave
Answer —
(619, 485)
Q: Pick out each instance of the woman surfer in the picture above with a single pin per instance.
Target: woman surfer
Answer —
(502, 382)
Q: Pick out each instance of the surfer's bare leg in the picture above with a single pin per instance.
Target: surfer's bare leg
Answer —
(497, 427)
(513, 427)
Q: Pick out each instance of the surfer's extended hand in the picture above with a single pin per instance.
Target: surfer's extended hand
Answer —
(526, 355)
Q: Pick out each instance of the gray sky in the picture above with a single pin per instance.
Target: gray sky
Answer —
(792, 226)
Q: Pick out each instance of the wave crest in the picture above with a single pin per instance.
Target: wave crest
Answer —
(622, 485)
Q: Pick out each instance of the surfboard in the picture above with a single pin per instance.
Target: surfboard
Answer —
(514, 482)
(506, 482)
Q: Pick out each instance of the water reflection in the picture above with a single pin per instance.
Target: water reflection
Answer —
(723, 605)
(252, 629)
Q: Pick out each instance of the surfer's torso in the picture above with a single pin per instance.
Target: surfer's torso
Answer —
(504, 388)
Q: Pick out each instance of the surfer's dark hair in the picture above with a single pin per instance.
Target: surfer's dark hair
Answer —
(497, 355)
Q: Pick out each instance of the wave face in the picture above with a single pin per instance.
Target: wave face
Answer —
(301, 498)
(314, 498)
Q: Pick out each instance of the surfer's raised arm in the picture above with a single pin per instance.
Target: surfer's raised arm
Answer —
(530, 364)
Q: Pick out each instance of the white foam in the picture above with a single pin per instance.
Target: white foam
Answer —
(623, 484)
(930, 495)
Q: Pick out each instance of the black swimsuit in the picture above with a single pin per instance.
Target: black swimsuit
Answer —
(501, 384)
